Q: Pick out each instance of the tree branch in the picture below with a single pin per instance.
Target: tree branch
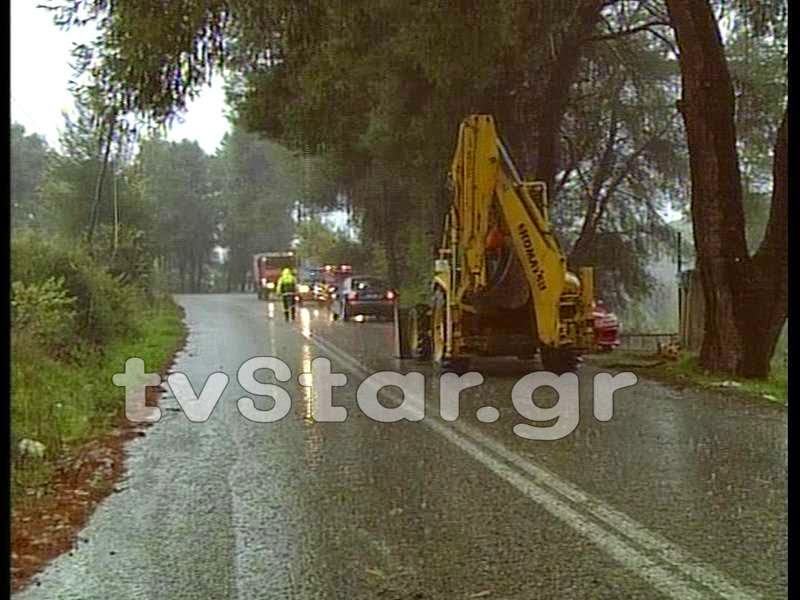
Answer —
(626, 32)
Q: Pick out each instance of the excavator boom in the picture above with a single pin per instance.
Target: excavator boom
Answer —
(501, 284)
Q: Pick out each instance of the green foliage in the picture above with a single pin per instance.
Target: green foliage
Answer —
(43, 311)
(130, 258)
(104, 307)
(319, 244)
(29, 155)
(377, 263)
(689, 370)
(74, 323)
(70, 178)
(64, 403)
(758, 69)
(260, 183)
(417, 279)
(73, 326)
(177, 185)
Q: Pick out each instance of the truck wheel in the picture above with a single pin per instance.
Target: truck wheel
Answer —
(457, 364)
(560, 360)
(419, 332)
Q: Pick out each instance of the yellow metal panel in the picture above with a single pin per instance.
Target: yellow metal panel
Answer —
(543, 264)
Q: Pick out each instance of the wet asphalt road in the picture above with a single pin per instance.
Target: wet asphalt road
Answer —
(679, 495)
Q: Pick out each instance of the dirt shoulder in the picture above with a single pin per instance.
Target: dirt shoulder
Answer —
(685, 373)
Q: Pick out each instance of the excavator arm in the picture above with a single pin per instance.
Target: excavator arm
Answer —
(500, 285)
(484, 174)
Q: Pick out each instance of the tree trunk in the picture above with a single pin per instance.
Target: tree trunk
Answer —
(198, 282)
(736, 288)
(98, 191)
(556, 92)
(766, 287)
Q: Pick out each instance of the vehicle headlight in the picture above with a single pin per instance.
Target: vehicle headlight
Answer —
(270, 285)
(303, 289)
(263, 281)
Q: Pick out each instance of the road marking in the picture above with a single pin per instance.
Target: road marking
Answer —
(666, 550)
(555, 495)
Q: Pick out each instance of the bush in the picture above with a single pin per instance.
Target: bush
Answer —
(131, 261)
(104, 307)
(43, 312)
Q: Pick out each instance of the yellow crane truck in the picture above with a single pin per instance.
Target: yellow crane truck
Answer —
(500, 285)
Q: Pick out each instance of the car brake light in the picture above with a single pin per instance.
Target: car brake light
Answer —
(352, 295)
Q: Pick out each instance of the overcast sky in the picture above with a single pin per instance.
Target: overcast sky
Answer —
(40, 74)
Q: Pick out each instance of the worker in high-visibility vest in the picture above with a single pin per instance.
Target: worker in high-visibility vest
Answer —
(287, 287)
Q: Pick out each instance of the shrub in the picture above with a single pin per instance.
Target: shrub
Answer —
(131, 261)
(104, 305)
(43, 312)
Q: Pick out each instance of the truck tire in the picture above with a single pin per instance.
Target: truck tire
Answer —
(438, 343)
(559, 360)
(419, 332)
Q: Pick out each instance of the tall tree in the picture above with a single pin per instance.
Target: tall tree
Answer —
(623, 161)
(176, 183)
(74, 195)
(746, 297)
(260, 182)
(28, 161)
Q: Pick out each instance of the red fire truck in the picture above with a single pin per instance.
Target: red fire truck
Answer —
(267, 267)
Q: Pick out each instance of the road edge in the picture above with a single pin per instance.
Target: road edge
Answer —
(91, 471)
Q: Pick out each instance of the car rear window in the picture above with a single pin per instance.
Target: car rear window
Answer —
(368, 283)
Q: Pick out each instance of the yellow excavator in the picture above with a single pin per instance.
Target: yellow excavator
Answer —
(500, 285)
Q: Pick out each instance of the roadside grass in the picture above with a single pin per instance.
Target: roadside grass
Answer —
(63, 403)
(686, 371)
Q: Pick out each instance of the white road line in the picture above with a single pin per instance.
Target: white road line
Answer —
(549, 490)
(666, 550)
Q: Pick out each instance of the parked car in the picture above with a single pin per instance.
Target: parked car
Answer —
(363, 295)
(606, 328)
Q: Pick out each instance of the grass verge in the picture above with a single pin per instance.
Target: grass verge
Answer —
(73, 408)
(63, 404)
(687, 372)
